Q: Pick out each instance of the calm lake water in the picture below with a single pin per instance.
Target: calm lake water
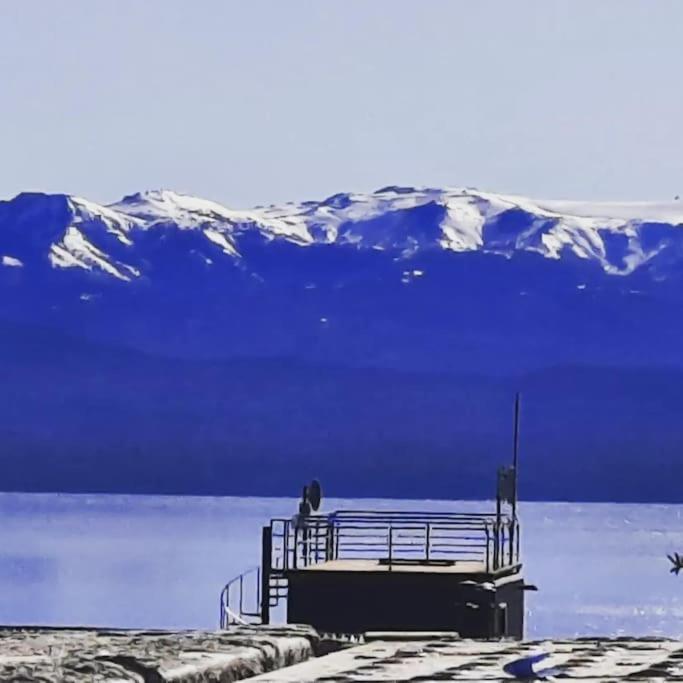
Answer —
(148, 561)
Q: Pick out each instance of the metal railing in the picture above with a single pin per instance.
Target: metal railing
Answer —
(232, 606)
(395, 537)
(390, 537)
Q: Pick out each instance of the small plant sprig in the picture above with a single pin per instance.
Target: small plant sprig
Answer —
(677, 562)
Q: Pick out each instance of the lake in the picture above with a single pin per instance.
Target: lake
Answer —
(155, 561)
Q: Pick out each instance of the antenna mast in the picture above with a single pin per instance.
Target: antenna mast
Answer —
(515, 454)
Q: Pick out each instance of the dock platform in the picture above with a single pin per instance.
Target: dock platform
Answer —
(469, 568)
(357, 570)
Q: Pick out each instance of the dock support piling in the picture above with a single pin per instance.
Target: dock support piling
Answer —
(266, 562)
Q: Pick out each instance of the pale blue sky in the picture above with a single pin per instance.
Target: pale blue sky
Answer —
(257, 102)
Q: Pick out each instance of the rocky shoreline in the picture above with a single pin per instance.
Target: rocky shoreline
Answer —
(66, 655)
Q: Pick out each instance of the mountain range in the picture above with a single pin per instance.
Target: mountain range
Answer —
(166, 343)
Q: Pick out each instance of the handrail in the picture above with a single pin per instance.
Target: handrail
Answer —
(391, 535)
(227, 614)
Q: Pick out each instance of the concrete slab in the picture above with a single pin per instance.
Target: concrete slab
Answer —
(450, 659)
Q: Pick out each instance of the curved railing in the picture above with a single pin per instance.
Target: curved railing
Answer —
(232, 608)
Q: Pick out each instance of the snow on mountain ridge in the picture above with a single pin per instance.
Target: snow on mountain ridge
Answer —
(620, 237)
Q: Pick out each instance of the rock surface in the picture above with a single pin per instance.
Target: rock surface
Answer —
(67, 655)
(280, 654)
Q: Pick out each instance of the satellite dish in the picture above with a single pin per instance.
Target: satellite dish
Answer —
(315, 494)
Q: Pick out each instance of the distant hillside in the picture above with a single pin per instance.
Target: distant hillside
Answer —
(168, 344)
(81, 417)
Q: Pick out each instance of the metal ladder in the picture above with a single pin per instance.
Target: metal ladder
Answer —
(282, 548)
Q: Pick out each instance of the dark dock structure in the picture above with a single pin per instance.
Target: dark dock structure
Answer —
(410, 572)
(359, 571)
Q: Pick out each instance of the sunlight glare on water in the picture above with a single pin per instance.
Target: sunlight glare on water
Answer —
(154, 561)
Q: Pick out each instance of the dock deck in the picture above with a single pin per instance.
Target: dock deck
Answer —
(460, 567)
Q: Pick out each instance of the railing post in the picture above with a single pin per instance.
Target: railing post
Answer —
(316, 542)
(496, 534)
(428, 534)
(391, 542)
(503, 544)
(330, 541)
(258, 587)
(304, 544)
(513, 533)
(488, 547)
(266, 561)
(295, 550)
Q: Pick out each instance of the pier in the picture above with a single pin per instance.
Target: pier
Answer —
(409, 571)
(354, 571)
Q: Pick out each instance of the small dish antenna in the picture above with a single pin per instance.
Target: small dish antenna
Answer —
(310, 498)
(314, 494)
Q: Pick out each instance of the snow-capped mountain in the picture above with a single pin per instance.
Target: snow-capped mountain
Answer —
(73, 233)
(364, 278)
(167, 343)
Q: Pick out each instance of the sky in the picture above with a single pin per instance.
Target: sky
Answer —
(264, 101)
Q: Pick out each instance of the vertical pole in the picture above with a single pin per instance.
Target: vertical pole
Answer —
(258, 587)
(307, 545)
(515, 474)
(496, 535)
(428, 534)
(391, 539)
(295, 552)
(266, 561)
(515, 455)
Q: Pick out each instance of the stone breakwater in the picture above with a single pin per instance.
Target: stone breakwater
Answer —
(287, 654)
(65, 655)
